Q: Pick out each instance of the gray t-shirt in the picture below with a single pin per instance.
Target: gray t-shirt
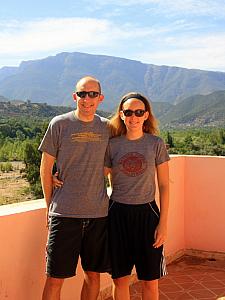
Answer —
(79, 148)
(133, 164)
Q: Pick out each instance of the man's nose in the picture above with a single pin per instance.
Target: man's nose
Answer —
(86, 98)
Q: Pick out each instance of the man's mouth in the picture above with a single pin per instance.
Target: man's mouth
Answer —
(87, 106)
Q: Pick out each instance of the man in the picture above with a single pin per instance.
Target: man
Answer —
(77, 211)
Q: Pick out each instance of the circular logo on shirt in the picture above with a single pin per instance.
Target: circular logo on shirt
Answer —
(132, 164)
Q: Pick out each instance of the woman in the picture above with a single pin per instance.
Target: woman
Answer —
(136, 228)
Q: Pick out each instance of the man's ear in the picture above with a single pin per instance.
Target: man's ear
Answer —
(75, 97)
(101, 98)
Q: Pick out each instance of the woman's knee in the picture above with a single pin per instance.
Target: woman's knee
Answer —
(151, 285)
(92, 277)
(122, 281)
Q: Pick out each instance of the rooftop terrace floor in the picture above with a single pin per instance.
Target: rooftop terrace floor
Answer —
(190, 278)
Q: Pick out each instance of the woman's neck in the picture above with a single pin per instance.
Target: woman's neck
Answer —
(131, 135)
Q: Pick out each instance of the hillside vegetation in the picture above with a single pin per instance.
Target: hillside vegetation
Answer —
(195, 111)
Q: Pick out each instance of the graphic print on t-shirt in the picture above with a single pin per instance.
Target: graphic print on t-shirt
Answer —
(132, 164)
(86, 137)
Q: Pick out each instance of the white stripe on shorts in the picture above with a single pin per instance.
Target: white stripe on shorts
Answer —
(163, 270)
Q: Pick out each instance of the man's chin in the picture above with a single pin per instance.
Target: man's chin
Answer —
(88, 113)
(88, 110)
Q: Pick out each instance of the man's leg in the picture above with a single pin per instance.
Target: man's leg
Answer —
(52, 288)
(150, 290)
(91, 286)
(62, 254)
(121, 288)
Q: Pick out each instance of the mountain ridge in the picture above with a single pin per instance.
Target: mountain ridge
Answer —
(198, 110)
(52, 79)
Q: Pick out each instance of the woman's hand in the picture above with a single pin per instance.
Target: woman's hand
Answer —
(56, 183)
(160, 236)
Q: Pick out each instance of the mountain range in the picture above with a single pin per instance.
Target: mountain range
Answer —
(195, 111)
(51, 80)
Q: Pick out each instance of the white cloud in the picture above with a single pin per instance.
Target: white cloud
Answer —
(206, 53)
(178, 43)
(40, 38)
(66, 33)
(51, 34)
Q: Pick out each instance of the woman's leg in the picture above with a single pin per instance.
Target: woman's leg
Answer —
(150, 290)
(121, 288)
(91, 286)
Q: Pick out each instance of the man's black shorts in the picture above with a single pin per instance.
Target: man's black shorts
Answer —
(131, 236)
(70, 238)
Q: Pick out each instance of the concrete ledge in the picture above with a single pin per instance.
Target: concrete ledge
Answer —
(211, 255)
(172, 257)
(20, 207)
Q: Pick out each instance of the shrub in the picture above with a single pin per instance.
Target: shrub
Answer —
(6, 166)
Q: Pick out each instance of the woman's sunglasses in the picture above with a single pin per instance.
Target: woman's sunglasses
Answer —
(137, 112)
(90, 94)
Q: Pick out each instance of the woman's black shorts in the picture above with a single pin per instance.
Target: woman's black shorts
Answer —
(131, 236)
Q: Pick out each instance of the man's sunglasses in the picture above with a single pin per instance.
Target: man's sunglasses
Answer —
(137, 112)
(90, 94)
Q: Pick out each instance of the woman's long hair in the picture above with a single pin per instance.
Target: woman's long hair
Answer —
(149, 126)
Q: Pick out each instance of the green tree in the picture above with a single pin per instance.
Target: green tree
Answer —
(222, 136)
(32, 159)
(6, 130)
(169, 139)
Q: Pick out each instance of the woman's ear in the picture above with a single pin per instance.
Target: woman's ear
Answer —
(146, 115)
(121, 115)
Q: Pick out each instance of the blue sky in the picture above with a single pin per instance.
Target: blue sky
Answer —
(182, 33)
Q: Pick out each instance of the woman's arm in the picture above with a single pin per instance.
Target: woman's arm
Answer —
(163, 184)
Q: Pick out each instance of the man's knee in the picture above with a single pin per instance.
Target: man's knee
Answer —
(52, 288)
(54, 283)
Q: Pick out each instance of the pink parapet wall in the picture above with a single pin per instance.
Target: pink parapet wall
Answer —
(22, 253)
(197, 204)
(175, 238)
(196, 221)
(204, 203)
(23, 236)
